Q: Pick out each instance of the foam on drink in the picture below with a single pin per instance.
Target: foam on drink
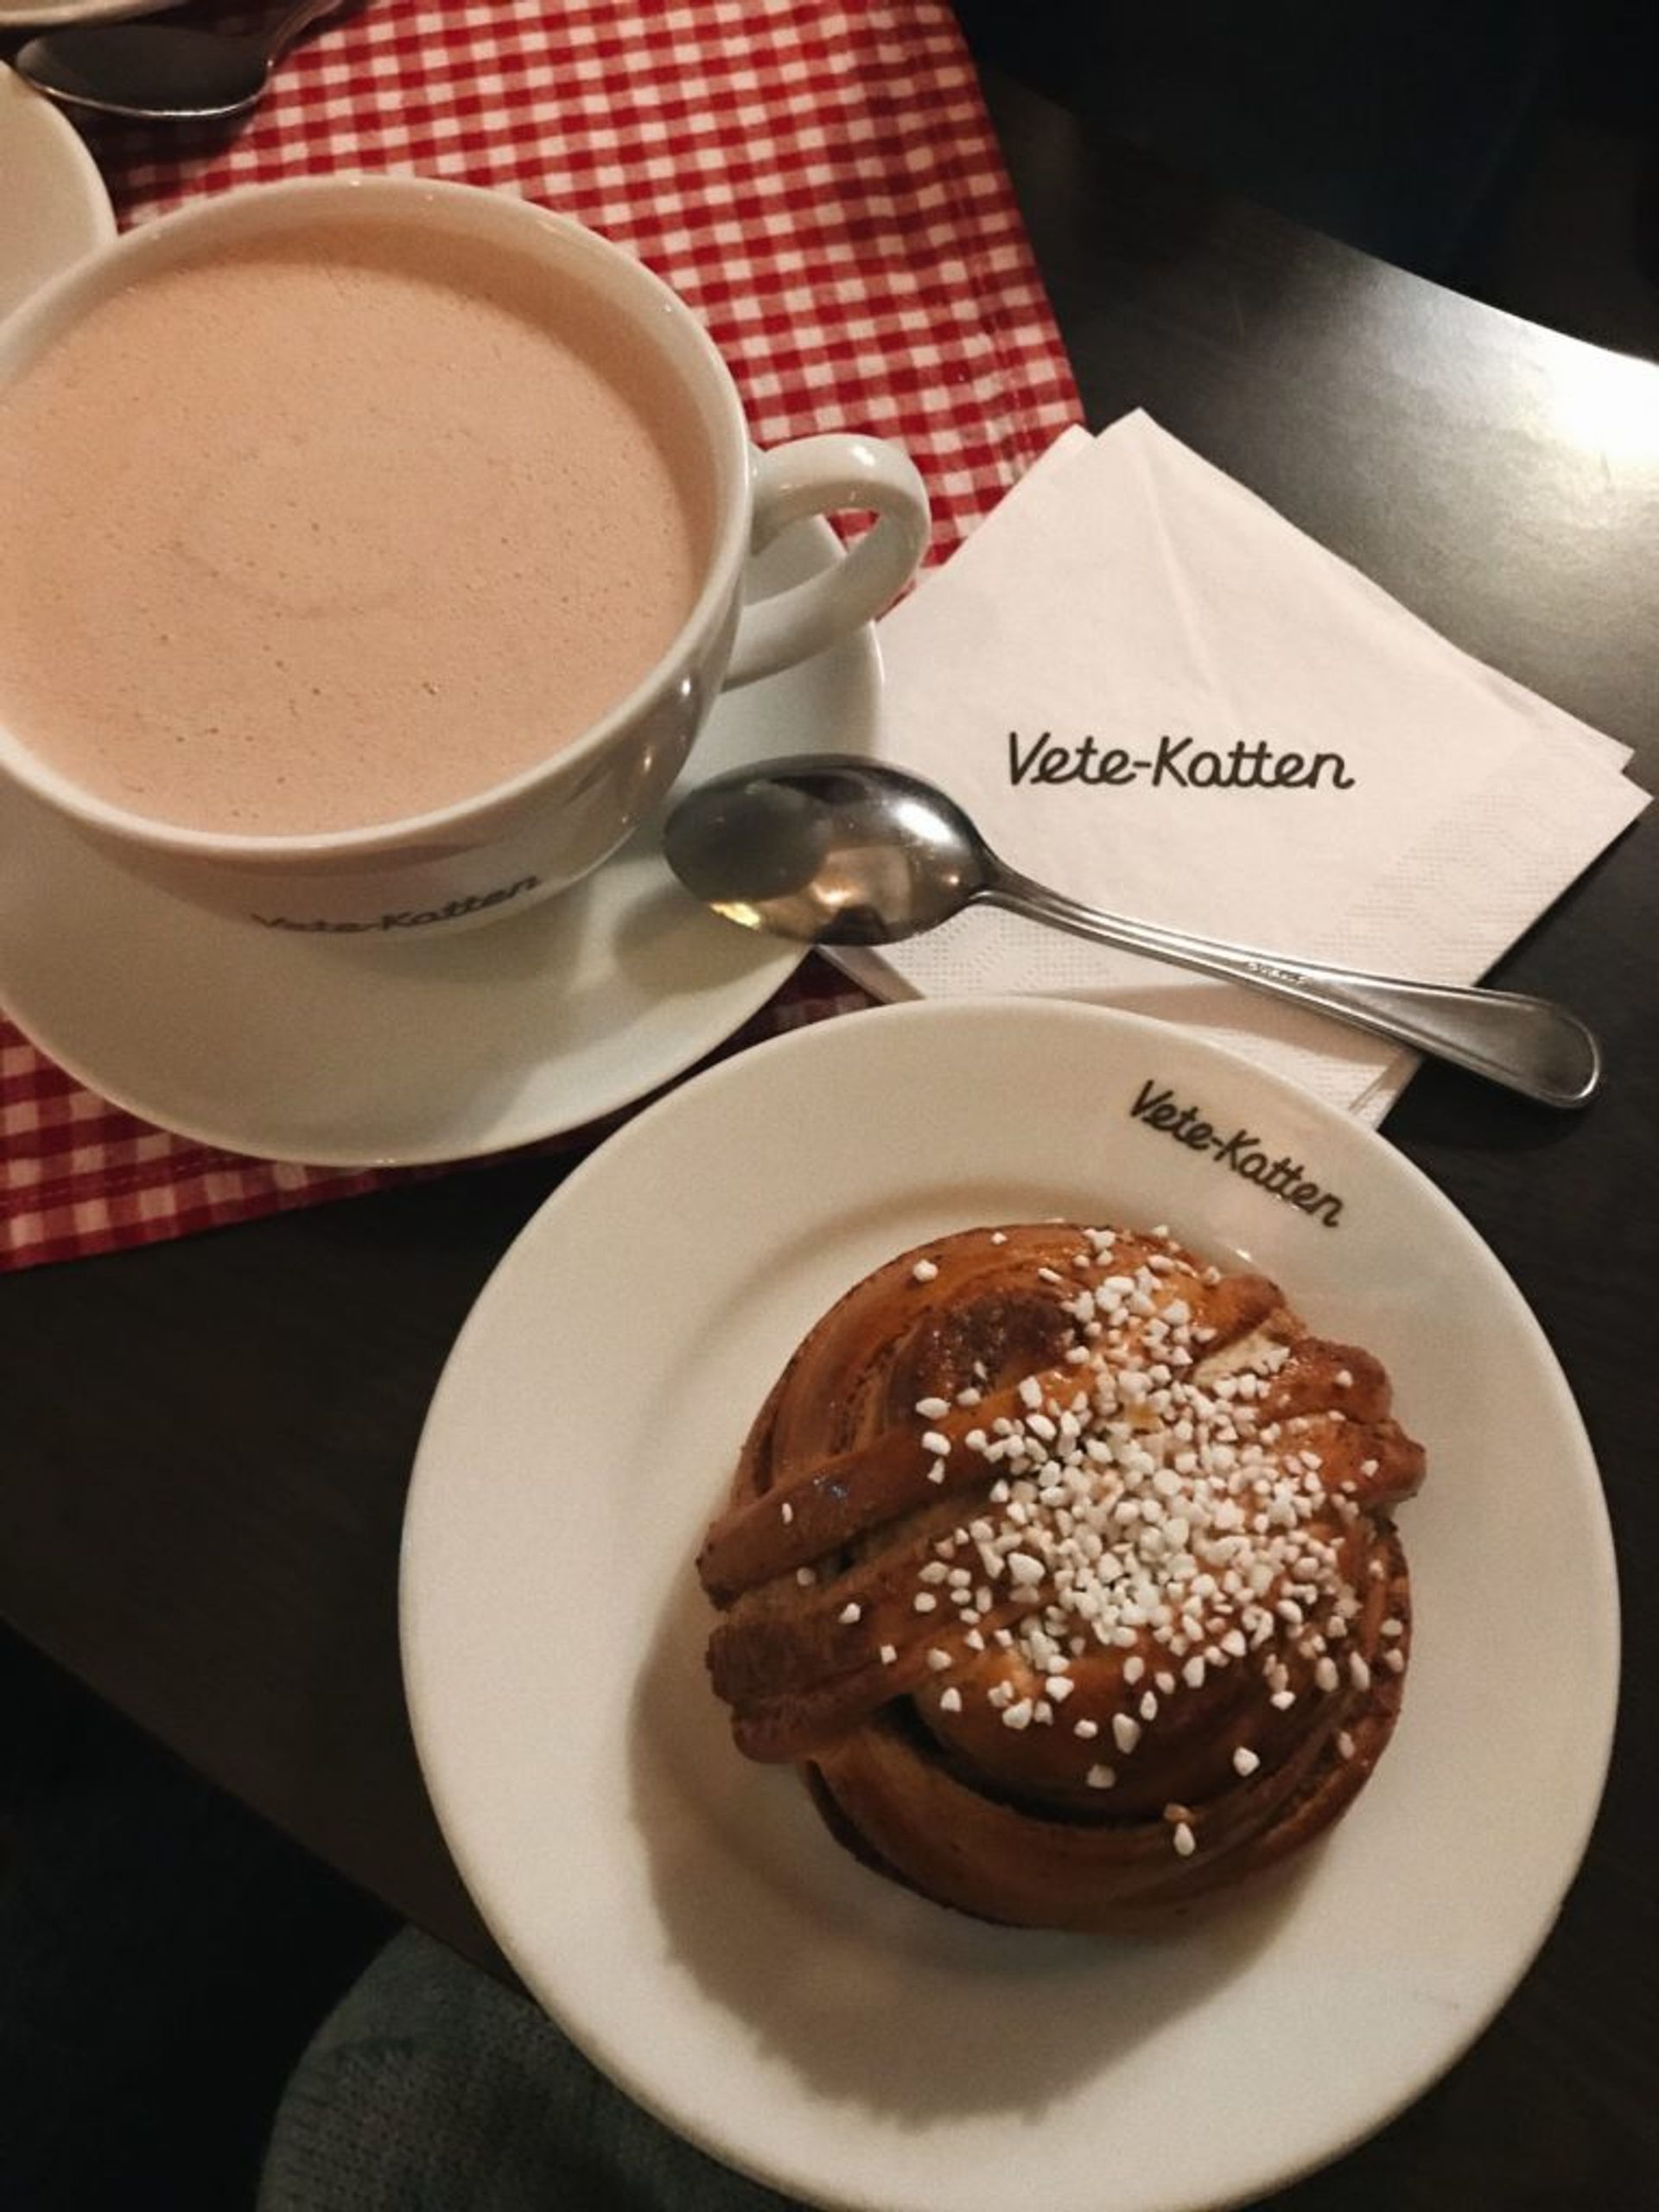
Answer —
(312, 536)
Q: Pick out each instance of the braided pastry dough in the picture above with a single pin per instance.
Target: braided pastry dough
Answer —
(1065, 1565)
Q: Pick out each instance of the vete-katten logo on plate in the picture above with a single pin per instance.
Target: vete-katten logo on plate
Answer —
(1240, 1149)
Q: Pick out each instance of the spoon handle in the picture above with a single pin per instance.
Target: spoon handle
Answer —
(1526, 1044)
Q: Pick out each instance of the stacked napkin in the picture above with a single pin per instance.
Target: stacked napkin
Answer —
(1155, 693)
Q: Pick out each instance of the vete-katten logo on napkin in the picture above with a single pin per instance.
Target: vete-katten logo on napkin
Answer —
(1181, 762)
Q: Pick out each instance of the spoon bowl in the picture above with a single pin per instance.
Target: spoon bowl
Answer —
(832, 849)
(831, 852)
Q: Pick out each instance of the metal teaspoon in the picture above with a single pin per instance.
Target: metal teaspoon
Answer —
(158, 71)
(832, 849)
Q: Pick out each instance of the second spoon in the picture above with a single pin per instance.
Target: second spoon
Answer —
(162, 73)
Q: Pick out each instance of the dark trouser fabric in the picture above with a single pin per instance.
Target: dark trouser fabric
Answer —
(432, 2088)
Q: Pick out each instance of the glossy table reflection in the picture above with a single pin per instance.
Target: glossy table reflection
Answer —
(210, 1441)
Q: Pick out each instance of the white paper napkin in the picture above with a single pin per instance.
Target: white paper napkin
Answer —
(1154, 693)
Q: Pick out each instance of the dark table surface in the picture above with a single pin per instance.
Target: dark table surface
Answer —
(209, 1441)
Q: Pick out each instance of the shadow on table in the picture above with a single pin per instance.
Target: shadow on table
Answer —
(164, 1956)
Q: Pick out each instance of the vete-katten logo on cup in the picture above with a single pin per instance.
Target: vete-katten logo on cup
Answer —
(1242, 1149)
(405, 918)
(1176, 764)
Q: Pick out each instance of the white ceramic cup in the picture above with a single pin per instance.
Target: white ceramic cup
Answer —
(503, 848)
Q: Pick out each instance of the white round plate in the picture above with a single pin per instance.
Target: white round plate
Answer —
(41, 15)
(57, 208)
(326, 1051)
(683, 1913)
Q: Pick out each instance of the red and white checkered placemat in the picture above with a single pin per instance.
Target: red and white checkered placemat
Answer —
(819, 182)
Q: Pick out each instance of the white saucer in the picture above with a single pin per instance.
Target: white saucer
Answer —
(57, 208)
(686, 1916)
(322, 1052)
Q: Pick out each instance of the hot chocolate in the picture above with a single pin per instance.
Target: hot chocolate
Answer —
(313, 535)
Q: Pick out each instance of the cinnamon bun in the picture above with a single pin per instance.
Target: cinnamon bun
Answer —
(1065, 1566)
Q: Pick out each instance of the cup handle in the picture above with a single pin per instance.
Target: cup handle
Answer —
(831, 474)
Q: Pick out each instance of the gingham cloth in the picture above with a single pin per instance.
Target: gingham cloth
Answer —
(819, 182)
